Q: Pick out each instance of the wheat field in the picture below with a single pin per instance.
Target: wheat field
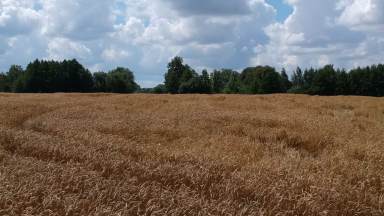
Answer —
(108, 154)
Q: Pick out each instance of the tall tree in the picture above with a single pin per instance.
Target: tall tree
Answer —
(100, 81)
(380, 80)
(285, 83)
(270, 83)
(232, 86)
(172, 82)
(308, 77)
(173, 76)
(5, 85)
(121, 80)
(217, 82)
(366, 88)
(324, 82)
(205, 83)
(189, 82)
(342, 85)
(19, 86)
(297, 78)
(226, 75)
(47, 77)
(255, 86)
(14, 72)
(249, 74)
(188, 74)
(192, 86)
(33, 77)
(356, 81)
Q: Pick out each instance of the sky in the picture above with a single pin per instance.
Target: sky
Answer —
(144, 35)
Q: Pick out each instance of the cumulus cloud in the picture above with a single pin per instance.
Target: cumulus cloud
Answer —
(77, 20)
(16, 20)
(323, 32)
(144, 35)
(361, 12)
(63, 48)
(215, 39)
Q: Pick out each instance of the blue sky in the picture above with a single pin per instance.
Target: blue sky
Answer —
(120, 18)
(37, 7)
(283, 9)
(209, 34)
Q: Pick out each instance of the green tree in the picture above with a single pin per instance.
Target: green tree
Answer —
(14, 72)
(217, 83)
(173, 76)
(226, 75)
(325, 81)
(356, 79)
(33, 77)
(285, 83)
(233, 85)
(5, 85)
(380, 80)
(220, 79)
(176, 65)
(193, 86)
(47, 77)
(62, 75)
(206, 87)
(270, 83)
(296, 90)
(172, 82)
(77, 79)
(188, 74)
(249, 74)
(159, 89)
(100, 82)
(121, 80)
(297, 78)
(367, 86)
(255, 86)
(342, 84)
(86, 81)
(117, 84)
(186, 80)
(308, 77)
(374, 78)
(19, 86)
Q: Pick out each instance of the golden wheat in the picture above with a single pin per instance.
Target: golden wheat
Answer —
(106, 154)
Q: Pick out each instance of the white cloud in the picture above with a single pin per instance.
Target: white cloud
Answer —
(325, 32)
(207, 33)
(244, 49)
(324, 60)
(258, 49)
(77, 20)
(360, 12)
(114, 54)
(63, 48)
(17, 20)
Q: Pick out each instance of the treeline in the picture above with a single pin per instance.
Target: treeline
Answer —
(71, 76)
(181, 79)
(66, 76)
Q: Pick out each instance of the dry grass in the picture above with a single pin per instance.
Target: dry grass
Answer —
(103, 154)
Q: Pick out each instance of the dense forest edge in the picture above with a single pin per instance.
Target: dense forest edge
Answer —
(43, 76)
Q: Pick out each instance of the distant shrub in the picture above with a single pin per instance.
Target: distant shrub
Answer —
(160, 89)
(296, 90)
